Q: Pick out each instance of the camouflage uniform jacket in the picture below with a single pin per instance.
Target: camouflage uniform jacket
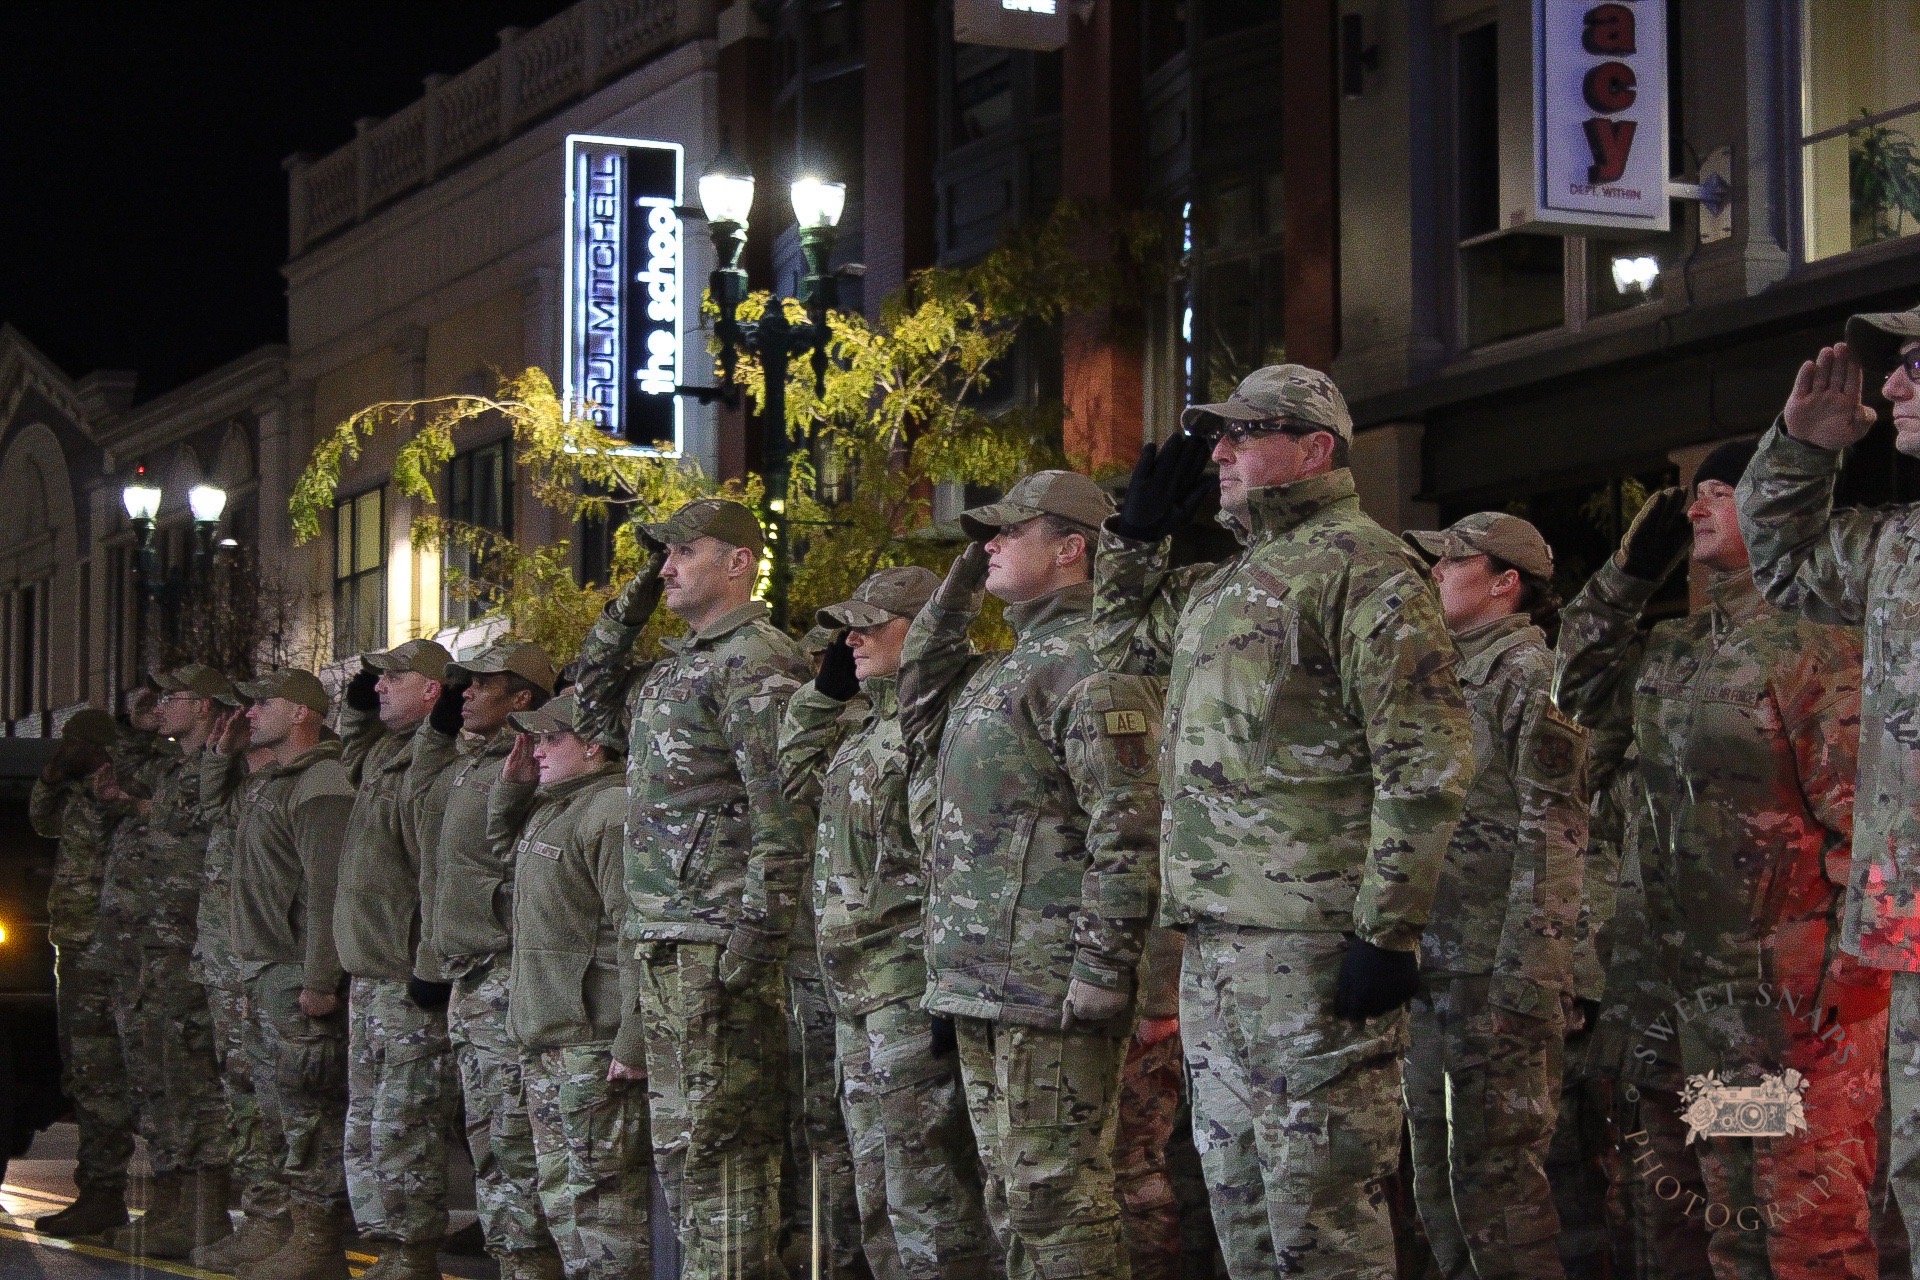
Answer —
(1746, 721)
(1509, 895)
(1853, 568)
(848, 760)
(226, 789)
(69, 813)
(377, 921)
(1318, 748)
(466, 890)
(286, 865)
(174, 865)
(573, 982)
(1041, 864)
(712, 841)
(130, 910)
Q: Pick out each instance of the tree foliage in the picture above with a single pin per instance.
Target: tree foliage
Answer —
(921, 397)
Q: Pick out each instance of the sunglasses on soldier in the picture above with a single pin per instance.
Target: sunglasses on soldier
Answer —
(1238, 433)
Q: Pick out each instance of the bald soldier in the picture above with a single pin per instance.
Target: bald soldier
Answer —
(714, 850)
(1318, 753)
(1041, 867)
(1858, 567)
(1483, 1074)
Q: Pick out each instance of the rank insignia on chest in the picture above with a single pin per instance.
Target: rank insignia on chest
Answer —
(1126, 724)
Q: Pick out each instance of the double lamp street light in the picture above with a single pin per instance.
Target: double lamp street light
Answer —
(169, 589)
(726, 197)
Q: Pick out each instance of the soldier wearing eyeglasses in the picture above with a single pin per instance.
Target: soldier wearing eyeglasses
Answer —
(1860, 567)
(1318, 750)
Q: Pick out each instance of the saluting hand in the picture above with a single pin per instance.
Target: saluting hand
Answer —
(1825, 409)
(521, 767)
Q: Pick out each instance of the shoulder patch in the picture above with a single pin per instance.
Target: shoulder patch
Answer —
(1125, 724)
(1553, 751)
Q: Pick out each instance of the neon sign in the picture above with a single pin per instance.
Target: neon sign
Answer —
(624, 328)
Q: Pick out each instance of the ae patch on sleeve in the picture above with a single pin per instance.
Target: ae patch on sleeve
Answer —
(1127, 738)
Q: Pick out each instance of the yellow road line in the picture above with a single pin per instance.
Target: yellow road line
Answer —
(29, 1236)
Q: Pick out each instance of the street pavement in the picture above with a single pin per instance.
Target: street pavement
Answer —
(42, 1183)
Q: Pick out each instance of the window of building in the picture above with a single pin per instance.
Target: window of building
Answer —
(1239, 304)
(360, 574)
(1859, 123)
(26, 647)
(479, 495)
(1509, 284)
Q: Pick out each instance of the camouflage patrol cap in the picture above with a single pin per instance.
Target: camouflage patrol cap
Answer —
(1876, 338)
(1279, 392)
(302, 688)
(729, 521)
(424, 656)
(1492, 533)
(815, 642)
(888, 594)
(1066, 494)
(528, 661)
(197, 679)
(90, 725)
(557, 717)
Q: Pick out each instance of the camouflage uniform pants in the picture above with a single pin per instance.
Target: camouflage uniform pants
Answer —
(506, 1173)
(1796, 1207)
(716, 1071)
(821, 1155)
(1661, 1174)
(258, 1149)
(590, 1138)
(172, 1073)
(93, 1070)
(1480, 1102)
(399, 1109)
(1045, 1105)
(1151, 1084)
(1296, 1113)
(1903, 1094)
(916, 1173)
(1579, 1160)
(300, 1080)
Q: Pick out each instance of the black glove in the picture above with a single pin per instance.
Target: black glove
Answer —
(450, 709)
(1168, 487)
(1658, 537)
(944, 1038)
(430, 996)
(1374, 980)
(836, 678)
(360, 692)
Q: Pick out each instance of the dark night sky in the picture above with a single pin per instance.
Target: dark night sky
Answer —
(143, 210)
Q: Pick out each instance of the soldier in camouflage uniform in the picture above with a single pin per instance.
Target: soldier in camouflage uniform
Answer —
(1746, 720)
(152, 896)
(1041, 867)
(714, 850)
(467, 903)
(1859, 567)
(1318, 751)
(227, 782)
(557, 815)
(93, 1070)
(915, 1171)
(401, 1090)
(1482, 1075)
(285, 879)
(1152, 1083)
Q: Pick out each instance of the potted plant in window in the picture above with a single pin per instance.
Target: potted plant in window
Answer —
(1883, 176)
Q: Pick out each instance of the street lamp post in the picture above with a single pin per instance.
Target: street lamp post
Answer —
(726, 196)
(159, 586)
